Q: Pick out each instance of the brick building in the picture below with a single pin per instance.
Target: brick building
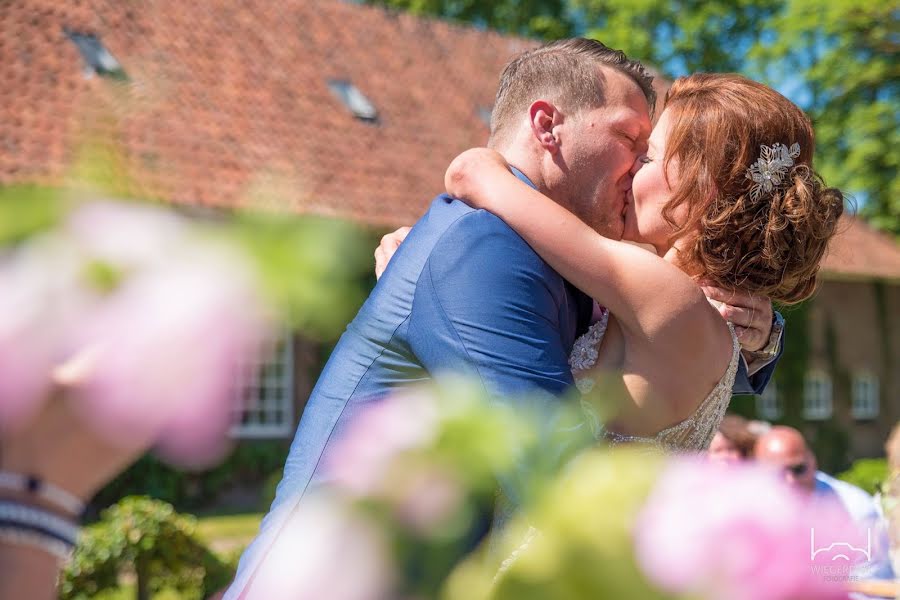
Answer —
(345, 110)
(851, 378)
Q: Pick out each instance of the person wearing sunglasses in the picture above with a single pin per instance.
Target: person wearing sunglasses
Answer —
(785, 449)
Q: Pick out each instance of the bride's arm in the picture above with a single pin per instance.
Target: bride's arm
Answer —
(648, 295)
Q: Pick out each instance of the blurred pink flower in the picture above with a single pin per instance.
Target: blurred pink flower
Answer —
(128, 235)
(170, 342)
(147, 323)
(39, 300)
(734, 532)
(325, 552)
(360, 461)
(26, 349)
(425, 497)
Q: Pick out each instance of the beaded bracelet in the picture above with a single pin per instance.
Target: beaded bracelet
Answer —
(48, 492)
(28, 525)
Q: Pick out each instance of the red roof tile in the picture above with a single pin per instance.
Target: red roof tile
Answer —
(228, 103)
(859, 252)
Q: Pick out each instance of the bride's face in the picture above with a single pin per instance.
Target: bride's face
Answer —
(650, 191)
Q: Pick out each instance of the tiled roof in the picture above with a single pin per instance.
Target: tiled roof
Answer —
(226, 101)
(858, 251)
(229, 103)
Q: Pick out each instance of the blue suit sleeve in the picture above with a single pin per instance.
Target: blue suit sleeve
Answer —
(487, 305)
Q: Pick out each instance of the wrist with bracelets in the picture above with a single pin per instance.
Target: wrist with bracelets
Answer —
(38, 514)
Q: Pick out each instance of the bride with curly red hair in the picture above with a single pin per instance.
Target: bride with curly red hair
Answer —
(726, 194)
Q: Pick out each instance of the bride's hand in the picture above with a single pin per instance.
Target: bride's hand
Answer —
(471, 172)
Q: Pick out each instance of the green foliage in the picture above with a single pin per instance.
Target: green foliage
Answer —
(794, 362)
(682, 37)
(312, 268)
(149, 539)
(866, 473)
(837, 60)
(846, 54)
(586, 521)
(547, 19)
(830, 442)
(26, 210)
(150, 476)
(269, 487)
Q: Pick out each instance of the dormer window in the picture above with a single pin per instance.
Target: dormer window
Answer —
(361, 107)
(98, 60)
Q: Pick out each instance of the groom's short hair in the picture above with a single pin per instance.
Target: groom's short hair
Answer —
(564, 72)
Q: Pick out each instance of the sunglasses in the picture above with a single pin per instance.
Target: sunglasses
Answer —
(797, 470)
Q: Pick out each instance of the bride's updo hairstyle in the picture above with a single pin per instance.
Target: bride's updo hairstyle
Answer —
(766, 241)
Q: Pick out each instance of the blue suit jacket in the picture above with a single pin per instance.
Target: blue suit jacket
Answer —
(463, 293)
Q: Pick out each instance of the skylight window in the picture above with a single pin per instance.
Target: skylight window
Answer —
(96, 57)
(354, 100)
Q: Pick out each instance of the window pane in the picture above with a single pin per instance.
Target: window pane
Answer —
(267, 392)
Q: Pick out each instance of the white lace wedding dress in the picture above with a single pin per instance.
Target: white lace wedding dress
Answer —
(693, 434)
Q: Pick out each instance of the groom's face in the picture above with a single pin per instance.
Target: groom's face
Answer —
(601, 148)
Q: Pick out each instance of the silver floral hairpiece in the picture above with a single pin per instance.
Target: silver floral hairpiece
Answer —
(770, 168)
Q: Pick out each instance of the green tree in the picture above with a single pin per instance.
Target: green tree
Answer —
(545, 19)
(838, 60)
(846, 55)
(149, 540)
(679, 37)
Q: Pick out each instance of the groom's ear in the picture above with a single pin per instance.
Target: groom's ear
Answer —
(544, 120)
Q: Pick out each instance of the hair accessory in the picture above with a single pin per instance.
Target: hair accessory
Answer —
(769, 170)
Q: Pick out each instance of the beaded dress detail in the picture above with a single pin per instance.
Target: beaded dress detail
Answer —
(693, 434)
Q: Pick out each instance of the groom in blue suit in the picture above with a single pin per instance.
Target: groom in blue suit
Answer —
(464, 293)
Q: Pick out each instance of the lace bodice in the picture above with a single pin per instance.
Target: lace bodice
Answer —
(693, 434)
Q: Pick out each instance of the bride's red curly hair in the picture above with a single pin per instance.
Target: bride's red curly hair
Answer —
(771, 245)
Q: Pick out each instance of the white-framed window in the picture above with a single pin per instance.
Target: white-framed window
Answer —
(267, 388)
(865, 396)
(768, 404)
(817, 403)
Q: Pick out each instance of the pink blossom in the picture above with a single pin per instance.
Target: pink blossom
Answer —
(40, 298)
(128, 235)
(325, 551)
(170, 342)
(425, 497)
(733, 532)
(144, 323)
(362, 457)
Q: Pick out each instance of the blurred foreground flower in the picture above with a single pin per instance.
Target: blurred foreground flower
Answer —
(141, 319)
(574, 543)
(630, 524)
(326, 550)
(737, 532)
(38, 305)
(424, 465)
(168, 340)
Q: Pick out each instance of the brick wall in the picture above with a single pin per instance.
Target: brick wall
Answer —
(864, 319)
